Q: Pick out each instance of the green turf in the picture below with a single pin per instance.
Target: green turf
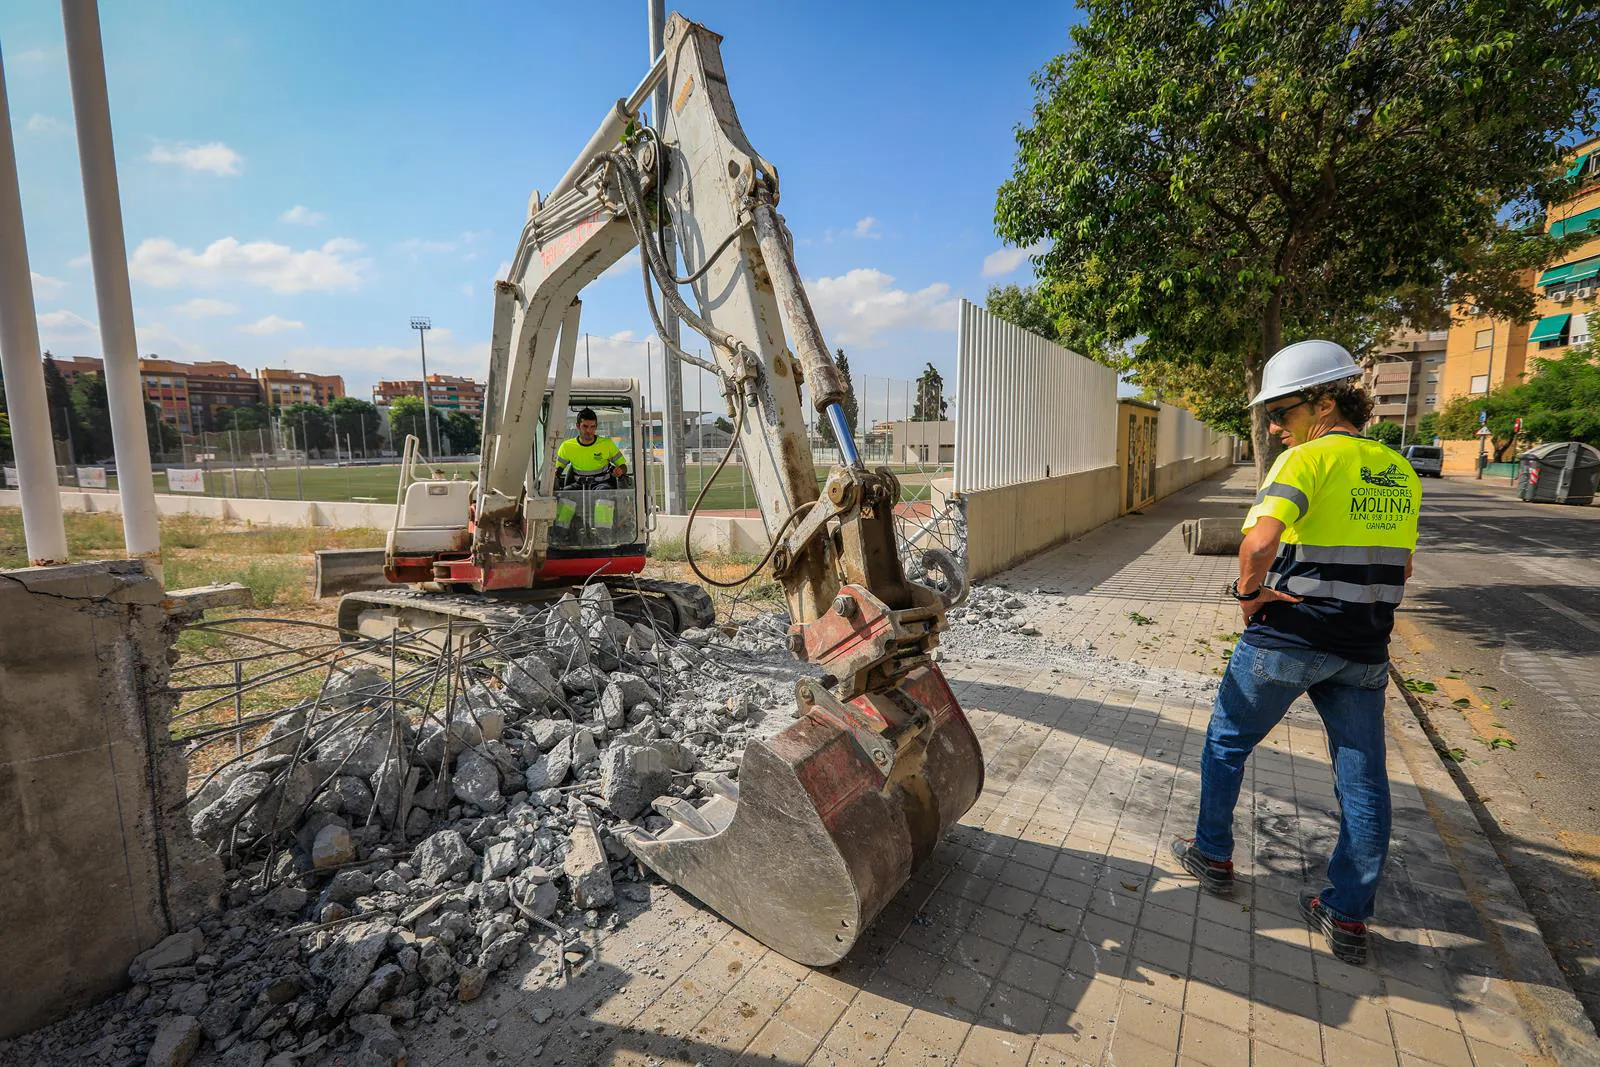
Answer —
(731, 491)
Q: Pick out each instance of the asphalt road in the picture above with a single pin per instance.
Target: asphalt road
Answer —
(1502, 620)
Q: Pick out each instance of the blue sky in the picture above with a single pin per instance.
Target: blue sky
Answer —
(300, 179)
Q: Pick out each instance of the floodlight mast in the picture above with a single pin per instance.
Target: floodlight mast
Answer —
(422, 324)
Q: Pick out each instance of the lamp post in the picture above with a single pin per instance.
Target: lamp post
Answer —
(422, 324)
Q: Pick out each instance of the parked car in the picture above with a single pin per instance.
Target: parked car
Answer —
(1425, 459)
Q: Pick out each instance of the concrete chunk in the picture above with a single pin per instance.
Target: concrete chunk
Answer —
(177, 1040)
(476, 780)
(214, 821)
(546, 733)
(347, 963)
(175, 950)
(631, 777)
(442, 856)
(585, 861)
(550, 769)
(530, 682)
(333, 847)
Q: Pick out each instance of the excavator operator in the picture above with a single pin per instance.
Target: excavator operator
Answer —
(588, 457)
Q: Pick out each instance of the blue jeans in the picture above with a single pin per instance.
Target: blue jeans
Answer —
(1256, 691)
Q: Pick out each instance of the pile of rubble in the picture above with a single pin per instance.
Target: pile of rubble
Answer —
(385, 860)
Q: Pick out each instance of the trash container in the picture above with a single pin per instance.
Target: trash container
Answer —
(1566, 472)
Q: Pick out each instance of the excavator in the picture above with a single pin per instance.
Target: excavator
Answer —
(826, 820)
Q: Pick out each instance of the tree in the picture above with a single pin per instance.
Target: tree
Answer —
(462, 431)
(1559, 401)
(356, 421)
(1389, 433)
(1026, 306)
(407, 418)
(64, 424)
(6, 454)
(930, 404)
(1428, 427)
(245, 418)
(1212, 178)
(1459, 420)
(92, 407)
(308, 426)
(851, 406)
(164, 437)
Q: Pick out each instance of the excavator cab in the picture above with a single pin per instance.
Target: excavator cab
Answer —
(596, 510)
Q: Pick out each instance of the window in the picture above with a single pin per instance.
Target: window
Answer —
(1480, 383)
(1484, 339)
(1431, 399)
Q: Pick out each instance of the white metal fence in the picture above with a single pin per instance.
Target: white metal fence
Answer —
(1179, 435)
(1029, 409)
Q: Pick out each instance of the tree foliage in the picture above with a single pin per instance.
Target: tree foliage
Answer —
(407, 418)
(462, 431)
(308, 427)
(852, 406)
(245, 418)
(92, 407)
(930, 404)
(356, 421)
(1389, 433)
(1214, 177)
(1027, 307)
(1427, 427)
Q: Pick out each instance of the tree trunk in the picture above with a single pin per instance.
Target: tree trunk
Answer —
(1266, 446)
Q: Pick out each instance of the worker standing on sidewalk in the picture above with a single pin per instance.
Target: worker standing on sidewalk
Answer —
(1326, 554)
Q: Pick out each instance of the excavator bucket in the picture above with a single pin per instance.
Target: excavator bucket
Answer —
(826, 822)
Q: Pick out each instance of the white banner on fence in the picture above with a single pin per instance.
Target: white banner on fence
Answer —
(180, 480)
(11, 478)
(92, 477)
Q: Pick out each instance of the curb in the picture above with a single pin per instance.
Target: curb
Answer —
(1550, 1008)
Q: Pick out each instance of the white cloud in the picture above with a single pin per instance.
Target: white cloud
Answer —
(272, 324)
(867, 228)
(856, 307)
(1006, 260)
(45, 124)
(214, 157)
(67, 334)
(627, 266)
(66, 321)
(162, 263)
(301, 215)
(78, 262)
(203, 306)
(46, 288)
(467, 290)
(417, 247)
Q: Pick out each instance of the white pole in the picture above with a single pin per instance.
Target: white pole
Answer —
(671, 368)
(42, 527)
(108, 252)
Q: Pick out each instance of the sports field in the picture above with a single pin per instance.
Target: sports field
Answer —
(380, 483)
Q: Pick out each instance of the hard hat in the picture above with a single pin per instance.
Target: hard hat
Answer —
(1302, 365)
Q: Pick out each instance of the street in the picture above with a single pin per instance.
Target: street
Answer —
(1499, 641)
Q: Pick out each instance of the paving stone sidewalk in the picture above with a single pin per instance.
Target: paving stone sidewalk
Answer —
(1051, 927)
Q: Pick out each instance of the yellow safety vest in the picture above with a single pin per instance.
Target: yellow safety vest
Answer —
(586, 459)
(1349, 506)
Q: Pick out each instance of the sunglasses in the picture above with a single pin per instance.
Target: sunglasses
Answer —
(1277, 414)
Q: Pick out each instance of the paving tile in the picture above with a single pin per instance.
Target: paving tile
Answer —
(1362, 1016)
(1150, 1020)
(1205, 1042)
(1485, 1054)
(1434, 1044)
(987, 1045)
(1128, 1050)
(961, 987)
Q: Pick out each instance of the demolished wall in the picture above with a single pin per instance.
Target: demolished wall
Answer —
(98, 865)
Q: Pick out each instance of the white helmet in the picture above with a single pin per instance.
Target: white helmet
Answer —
(1302, 365)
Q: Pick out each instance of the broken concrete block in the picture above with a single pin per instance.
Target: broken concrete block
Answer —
(530, 682)
(585, 750)
(380, 1045)
(346, 964)
(470, 983)
(608, 642)
(283, 736)
(442, 856)
(333, 847)
(346, 795)
(346, 689)
(500, 952)
(245, 1053)
(286, 900)
(585, 862)
(347, 885)
(393, 787)
(643, 637)
(500, 859)
(550, 769)
(212, 823)
(584, 679)
(476, 780)
(364, 740)
(547, 732)
(595, 601)
(177, 1040)
(174, 950)
(383, 984)
(631, 777)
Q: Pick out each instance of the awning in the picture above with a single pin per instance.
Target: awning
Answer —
(1577, 165)
(1579, 223)
(1556, 275)
(1552, 328)
(1567, 273)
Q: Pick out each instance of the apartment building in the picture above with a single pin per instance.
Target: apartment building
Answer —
(282, 388)
(446, 392)
(1403, 376)
(1485, 353)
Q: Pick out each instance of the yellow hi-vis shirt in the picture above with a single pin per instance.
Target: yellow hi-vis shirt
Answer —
(587, 459)
(1349, 506)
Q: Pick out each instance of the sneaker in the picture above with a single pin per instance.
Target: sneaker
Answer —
(1348, 940)
(1216, 876)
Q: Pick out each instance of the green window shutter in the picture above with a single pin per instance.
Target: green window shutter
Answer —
(1551, 328)
(1587, 268)
(1556, 275)
(1579, 223)
(1577, 165)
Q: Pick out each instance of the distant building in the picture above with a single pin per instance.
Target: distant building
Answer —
(923, 442)
(1485, 353)
(282, 388)
(78, 366)
(214, 387)
(1402, 376)
(166, 385)
(446, 392)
